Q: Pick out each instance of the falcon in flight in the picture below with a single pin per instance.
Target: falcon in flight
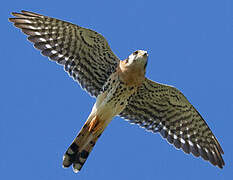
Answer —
(120, 88)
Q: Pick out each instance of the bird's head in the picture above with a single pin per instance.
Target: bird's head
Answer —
(137, 59)
(133, 68)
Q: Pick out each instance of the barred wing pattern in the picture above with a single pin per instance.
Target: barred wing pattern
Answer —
(164, 109)
(84, 53)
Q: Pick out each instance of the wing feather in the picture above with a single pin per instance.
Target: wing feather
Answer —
(85, 54)
(164, 109)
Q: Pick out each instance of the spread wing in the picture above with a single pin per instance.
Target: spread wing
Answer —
(84, 53)
(164, 109)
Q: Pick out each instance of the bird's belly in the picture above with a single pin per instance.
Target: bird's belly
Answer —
(112, 105)
(113, 100)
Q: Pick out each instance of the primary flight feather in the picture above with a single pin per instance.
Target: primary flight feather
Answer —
(120, 87)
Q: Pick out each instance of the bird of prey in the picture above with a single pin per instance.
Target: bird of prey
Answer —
(121, 89)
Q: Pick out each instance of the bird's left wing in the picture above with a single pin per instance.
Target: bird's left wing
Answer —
(85, 54)
(164, 109)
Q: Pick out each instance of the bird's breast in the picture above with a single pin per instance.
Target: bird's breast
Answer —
(115, 95)
(133, 75)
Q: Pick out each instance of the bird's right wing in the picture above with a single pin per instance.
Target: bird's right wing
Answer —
(84, 53)
(164, 109)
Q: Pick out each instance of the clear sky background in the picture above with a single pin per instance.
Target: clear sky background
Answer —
(42, 108)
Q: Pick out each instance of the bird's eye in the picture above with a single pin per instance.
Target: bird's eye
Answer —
(135, 53)
(127, 60)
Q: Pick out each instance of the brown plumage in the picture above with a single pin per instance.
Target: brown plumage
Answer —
(82, 145)
(120, 87)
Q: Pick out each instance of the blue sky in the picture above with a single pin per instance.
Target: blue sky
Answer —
(41, 108)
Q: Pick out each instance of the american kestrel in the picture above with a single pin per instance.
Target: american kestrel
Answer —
(120, 87)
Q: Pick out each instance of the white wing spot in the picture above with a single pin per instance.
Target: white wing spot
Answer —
(48, 46)
(190, 143)
(37, 33)
(53, 52)
(206, 150)
(27, 21)
(182, 141)
(60, 55)
(42, 39)
(34, 28)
